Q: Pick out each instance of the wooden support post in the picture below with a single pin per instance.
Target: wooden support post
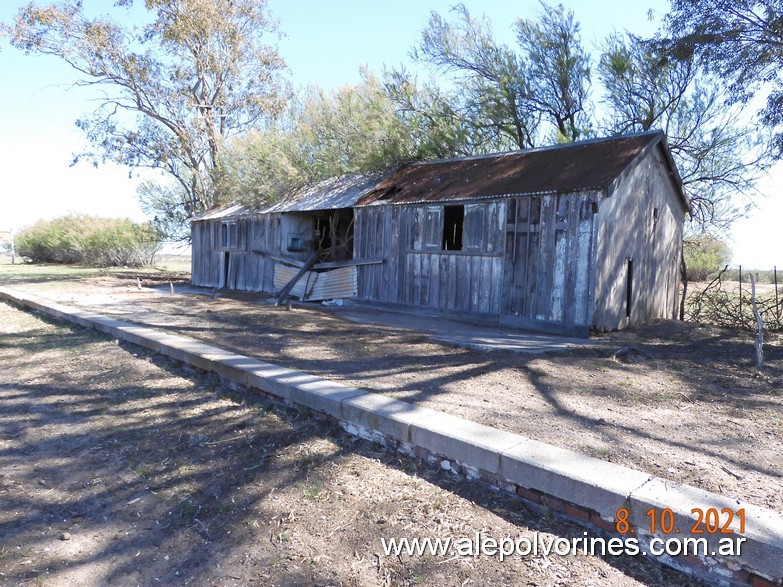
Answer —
(13, 248)
(777, 300)
(684, 279)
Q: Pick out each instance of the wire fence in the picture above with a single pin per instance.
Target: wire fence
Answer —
(727, 300)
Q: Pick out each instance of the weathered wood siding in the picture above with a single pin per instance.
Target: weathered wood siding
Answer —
(239, 267)
(415, 273)
(630, 228)
(548, 259)
(205, 257)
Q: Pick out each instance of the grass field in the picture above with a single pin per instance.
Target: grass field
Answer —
(176, 265)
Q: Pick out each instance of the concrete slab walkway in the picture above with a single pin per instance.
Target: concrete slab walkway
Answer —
(453, 332)
(464, 334)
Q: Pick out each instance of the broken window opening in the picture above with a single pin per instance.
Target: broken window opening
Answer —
(296, 242)
(333, 235)
(453, 223)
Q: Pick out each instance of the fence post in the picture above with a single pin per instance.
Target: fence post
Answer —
(741, 321)
(759, 325)
(777, 302)
(13, 248)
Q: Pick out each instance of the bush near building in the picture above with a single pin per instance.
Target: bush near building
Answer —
(89, 240)
(705, 255)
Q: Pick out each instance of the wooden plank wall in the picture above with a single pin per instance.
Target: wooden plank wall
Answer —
(627, 229)
(206, 263)
(548, 258)
(247, 270)
(457, 281)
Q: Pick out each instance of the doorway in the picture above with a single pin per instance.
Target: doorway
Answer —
(629, 287)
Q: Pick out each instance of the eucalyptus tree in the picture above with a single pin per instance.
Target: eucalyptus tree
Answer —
(173, 88)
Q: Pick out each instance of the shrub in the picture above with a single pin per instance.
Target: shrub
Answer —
(89, 240)
(704, 256)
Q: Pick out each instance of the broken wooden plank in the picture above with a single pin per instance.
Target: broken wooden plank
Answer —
(278, 259)
(283, 294)
(348, 263)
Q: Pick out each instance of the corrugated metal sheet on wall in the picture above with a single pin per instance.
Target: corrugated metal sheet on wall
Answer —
(314, 286)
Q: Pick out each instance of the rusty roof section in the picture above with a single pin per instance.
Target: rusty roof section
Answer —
(585, 165)
(328, 194)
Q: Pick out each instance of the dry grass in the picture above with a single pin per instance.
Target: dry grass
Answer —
(119, 468)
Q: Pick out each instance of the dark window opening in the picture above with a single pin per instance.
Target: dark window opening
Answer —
(296, 242)
(453, 223)
(629, 289)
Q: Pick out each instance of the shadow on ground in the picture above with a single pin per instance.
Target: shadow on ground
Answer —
(118, 467)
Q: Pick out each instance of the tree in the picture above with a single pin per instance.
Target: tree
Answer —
(540, 94)
(438, 123)
(174, 90)
(704, 255)
(354, 128)
(642, 86)
(321, 135)
(521, 96)
(718, 159)
(493, 80)
(559, 68)
(739, 40)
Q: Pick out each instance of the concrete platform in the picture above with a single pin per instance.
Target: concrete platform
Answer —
(451, 331)
(587, 490)
(464, 334)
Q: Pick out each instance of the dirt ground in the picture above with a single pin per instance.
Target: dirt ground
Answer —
(689, 406)
(120, 467)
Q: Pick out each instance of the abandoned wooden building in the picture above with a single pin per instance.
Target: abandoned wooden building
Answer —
(564, 238)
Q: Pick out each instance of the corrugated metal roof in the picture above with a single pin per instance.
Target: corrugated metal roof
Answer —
(330, 194)
(232, 211)
(585, 165)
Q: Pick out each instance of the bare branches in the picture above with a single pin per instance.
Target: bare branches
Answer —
(198, 74)
(738, 41)
(723, 304)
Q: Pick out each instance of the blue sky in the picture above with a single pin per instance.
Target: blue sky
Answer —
(324, 43)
